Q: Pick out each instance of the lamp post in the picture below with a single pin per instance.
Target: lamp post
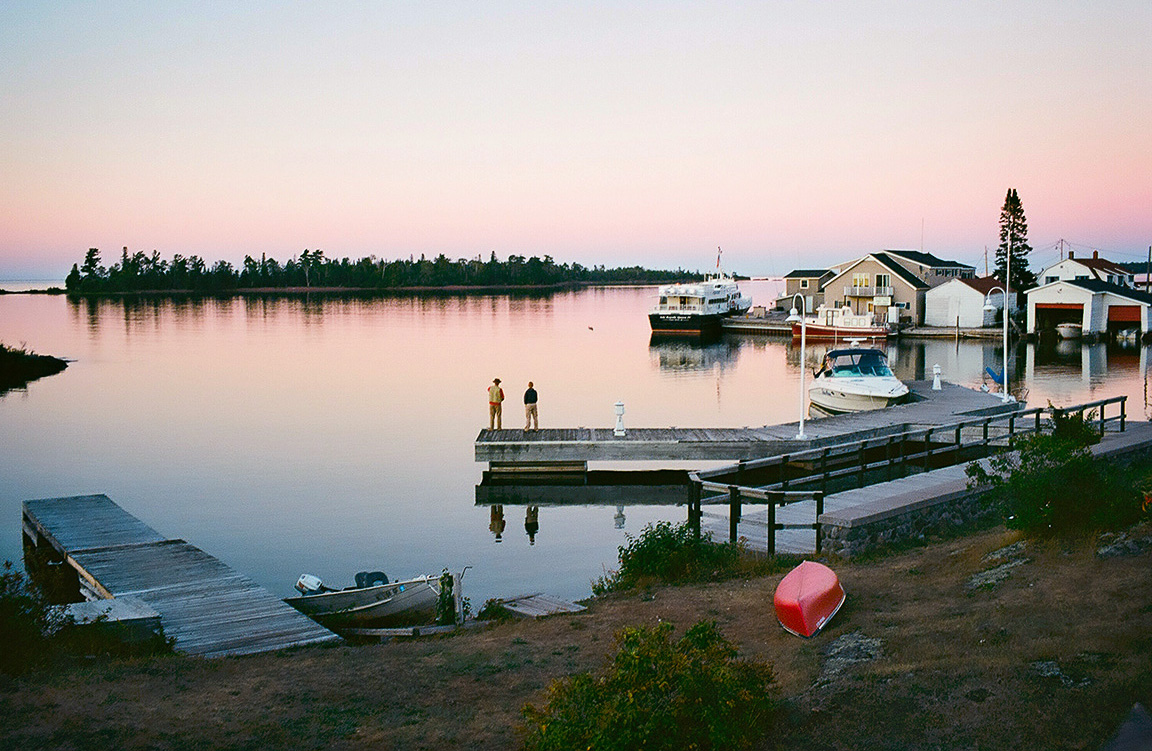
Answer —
(795, 317)
(1004, 396)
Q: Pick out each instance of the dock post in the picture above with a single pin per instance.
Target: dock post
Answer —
(694, 492)
(733, 512)
(860, 458)
(771, 526)
(824, 470)
(888, 458)
(1123, 407)
(819, 513)
(783, 474)
(927, 449)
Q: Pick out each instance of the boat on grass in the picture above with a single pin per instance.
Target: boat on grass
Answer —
(841, 323)
(855, 379)
(374, 602)
(807, 598)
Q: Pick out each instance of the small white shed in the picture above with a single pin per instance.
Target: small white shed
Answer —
(963, 300)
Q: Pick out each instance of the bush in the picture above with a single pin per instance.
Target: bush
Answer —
(671, 554)
(1052, 484)
(26, 622)
(693, 694)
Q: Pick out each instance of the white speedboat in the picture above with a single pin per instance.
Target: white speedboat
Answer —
(698, 306)
(855, 380)
(1069, 330)
(373, 602)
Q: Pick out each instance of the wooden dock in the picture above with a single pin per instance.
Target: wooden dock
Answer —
(951, 403)
(208, 608)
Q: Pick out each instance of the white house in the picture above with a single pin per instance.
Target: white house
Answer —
(961, 301)
(1081, 269)
(1098, 307)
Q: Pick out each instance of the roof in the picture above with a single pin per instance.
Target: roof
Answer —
(1102, 264)
(927, 259)
(1095, 285)
(895, 267)
(808, 273)
(983, 285)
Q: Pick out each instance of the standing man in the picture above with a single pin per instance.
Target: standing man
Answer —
(495, 400)
(530, 416)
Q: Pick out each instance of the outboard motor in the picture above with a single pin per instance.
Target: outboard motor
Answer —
(371, 579)
(308, 584)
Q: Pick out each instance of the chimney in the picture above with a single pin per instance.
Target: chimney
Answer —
(1071, 255)
(1095, 254)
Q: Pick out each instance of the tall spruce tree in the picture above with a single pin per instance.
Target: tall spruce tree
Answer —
(1014, 225)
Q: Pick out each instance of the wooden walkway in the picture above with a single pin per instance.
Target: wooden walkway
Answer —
(207, 607)
(930, 407)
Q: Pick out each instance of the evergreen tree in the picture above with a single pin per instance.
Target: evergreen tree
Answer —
(1014, 227)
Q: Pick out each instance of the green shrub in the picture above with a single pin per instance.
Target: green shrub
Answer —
(655, 694)
(671, 554)
(1052, 484)
(26, 622)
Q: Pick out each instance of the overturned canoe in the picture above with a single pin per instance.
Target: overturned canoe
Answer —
(807, 598)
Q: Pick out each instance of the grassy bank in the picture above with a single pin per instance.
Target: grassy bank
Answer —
(989, 641)
(19, 366)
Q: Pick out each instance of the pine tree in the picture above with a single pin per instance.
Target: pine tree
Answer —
(1014, 225)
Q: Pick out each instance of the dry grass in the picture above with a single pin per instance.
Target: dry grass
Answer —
(1052, 657)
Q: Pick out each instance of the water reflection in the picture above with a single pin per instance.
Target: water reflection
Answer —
(693, 353)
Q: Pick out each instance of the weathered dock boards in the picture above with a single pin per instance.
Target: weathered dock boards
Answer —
(942, 407)
(207, 607)
(539, 605)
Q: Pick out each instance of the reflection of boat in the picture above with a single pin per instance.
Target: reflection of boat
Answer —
(1128, 336)
(691, 352)
(841, 323)
(855, 380)
(373, 602)
(807, 598)
(1069, 330)
(698, 306)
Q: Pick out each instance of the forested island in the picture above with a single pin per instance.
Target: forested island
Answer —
(312, 270)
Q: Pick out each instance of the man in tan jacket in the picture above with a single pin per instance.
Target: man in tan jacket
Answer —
(495, 402)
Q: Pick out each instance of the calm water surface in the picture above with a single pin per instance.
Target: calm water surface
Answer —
(330, 436)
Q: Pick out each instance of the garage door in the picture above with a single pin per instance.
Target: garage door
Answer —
(1059, 306)
(1124, 313)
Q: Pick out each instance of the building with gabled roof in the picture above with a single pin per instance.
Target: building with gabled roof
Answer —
(1099, 307)
(1081, 269)
(961, 302)
(809, 284)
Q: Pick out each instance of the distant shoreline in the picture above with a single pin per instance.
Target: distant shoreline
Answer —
(298, 291)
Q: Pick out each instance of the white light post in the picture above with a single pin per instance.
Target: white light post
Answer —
(795, 317)
(1004, 376)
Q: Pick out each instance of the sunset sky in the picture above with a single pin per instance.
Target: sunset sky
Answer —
(793, 134)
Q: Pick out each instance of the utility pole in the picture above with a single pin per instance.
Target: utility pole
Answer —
(985, 260)
(1148, 271)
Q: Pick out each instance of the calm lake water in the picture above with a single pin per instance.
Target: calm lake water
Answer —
(336, 435)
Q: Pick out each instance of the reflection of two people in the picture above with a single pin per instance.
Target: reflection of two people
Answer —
(496, 522)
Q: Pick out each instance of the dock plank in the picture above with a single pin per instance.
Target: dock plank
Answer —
(206, 606)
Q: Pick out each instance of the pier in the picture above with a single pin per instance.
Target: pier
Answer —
(505, 448)
(208, 608)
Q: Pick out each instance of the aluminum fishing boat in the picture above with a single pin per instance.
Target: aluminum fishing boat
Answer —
(374, 602)
(855, 380)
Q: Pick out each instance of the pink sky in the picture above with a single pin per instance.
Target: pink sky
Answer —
(792, 134)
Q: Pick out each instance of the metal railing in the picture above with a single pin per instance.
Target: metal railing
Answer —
(918, 449)
(854, 291)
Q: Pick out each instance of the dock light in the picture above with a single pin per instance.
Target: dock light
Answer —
(936, 377)
(795, 317)
(619, 419)
(989, 307)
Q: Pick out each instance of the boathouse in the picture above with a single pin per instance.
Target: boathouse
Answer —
(1099, 307)
(961, 302)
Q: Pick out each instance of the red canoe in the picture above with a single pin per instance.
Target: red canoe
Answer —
(807, 598)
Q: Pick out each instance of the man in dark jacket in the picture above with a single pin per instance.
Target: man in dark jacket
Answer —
(531, 420)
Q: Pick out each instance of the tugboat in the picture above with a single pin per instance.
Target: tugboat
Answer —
(698, 307)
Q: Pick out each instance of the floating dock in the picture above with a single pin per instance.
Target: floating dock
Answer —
(502, 448)
(208, 608)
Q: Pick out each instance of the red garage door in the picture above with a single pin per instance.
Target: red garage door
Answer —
(1124, 313)
(1059, 306)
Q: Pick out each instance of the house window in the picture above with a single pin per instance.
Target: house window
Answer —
(803, 284)
(1082, 278)
(883, 280)
(1050, 279)
(860, 280)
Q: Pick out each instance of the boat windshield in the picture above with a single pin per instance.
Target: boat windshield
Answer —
(856, 364)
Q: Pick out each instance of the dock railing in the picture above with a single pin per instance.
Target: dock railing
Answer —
(917, 449)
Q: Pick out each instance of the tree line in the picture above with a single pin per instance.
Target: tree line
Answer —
(142, 272)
